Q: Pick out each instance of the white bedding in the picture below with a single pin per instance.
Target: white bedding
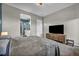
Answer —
(36, 46)
(28, 46)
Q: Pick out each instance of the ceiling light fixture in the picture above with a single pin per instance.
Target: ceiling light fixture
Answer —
(39, 4)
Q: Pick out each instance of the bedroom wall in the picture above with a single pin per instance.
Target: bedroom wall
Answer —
(69, 17)
(11, 20)
(72, 30)
(0, 17)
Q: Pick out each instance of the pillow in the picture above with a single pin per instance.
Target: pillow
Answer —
(3, 46)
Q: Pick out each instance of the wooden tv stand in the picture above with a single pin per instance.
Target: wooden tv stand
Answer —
(56, 37)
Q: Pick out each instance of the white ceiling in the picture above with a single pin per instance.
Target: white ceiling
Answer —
(44, 10)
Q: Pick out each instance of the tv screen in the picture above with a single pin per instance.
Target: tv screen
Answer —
(56, 29)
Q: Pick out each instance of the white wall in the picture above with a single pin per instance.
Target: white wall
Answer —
(69, 17)
(11, 20)
(71, 30)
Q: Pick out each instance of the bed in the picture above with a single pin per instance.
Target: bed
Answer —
(37, 46)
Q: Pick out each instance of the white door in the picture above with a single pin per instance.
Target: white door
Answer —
(39, 28)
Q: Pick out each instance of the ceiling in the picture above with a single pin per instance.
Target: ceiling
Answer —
(44, 10)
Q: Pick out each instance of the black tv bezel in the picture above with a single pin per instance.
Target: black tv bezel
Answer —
(57, 32)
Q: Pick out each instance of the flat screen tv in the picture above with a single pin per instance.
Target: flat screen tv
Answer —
(59, 29)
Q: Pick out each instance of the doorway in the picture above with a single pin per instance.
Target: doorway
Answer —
(25, 24)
